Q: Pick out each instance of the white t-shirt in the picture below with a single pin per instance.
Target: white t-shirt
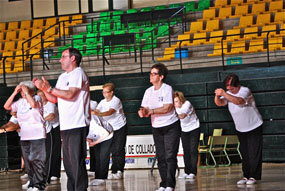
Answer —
(157, 98)
(99, 128)
(191, 121)
(74, 113)
(117, 119)
(15, 121)
(48, 109)
(30, 119)
(246, 117)
(93, 105)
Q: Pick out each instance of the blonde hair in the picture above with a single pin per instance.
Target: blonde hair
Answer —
(110, 85)
(180, 96)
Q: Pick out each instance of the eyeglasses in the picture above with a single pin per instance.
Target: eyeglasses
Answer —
(106, 92)
(153, 73)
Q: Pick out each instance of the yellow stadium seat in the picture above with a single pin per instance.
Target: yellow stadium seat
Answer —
(11, 35)
(238, 47)
(76, 19)
(35, 44)
(213, 25)
(2, 26)
(9, 55)
(235, 33)
(35, 52)
(13, 25)
(216, 36)
(50, 32)
(196, 27)
(199, 41)
(65, 31)
(245, 21)
(24, 34)
(268, 28)
(258, 8)
(253, 1)
(209, 14)
(253, 30)
(9, 46)
(38, 23)
(64, 19)
(19, 56)
(36, 32)
(25, 25)
(169, 53)
(236, 2)
(225, 12)
(221, 3)
(276, 6)
(218, 49)
(1, 36)
(279, 17)
(263, 19)
(185, 38)
(256, 45)
(275, 43)
(50, 21)
(241, 10)
(19, 45)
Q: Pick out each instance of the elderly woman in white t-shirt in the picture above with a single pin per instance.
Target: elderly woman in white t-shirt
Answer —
(158, 103)
(190, 134)
(33, 133)
(248, 123)
(111, 109)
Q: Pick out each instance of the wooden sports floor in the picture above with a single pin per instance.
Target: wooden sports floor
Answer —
(214, 179)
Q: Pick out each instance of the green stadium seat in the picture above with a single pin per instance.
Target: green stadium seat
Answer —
(78, 39)
(130, 11)
(190, 6)
(160, 7)
(203, 4)
(175, 5)
(118, 13)
(146, 9)
(91, 38)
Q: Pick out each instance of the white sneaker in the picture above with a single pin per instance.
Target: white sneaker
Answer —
(242, 181)
(96, 182)
(191, 176)
(160, 189)
(25, 176)
(182, 176)
(250, 181)
(118, 175)
(26, 186)
(169, 189)
(111, 176)
(90, 173)
(53, 178)
(30, 189)
(35, 189)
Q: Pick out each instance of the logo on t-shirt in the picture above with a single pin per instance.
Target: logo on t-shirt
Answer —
(67, 83)
(160, 99)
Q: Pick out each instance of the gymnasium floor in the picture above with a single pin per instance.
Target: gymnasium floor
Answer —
(214, 179)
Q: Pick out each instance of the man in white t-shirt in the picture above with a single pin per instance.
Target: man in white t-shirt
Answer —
(248, 123)
(73, 97)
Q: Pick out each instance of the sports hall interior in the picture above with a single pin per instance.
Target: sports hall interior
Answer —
(200, 41)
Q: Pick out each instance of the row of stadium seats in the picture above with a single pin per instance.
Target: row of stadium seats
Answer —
(39, 23)
(242, 10)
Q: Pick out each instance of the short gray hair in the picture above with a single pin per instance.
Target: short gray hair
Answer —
(28, 84)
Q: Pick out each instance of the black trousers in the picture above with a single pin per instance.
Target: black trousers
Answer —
(190, 142)
(102, 159)
(118, 149)
(92, 159)
(34, 155)
(166, 140)
(74, 155)
(53, 153)
(251, 151)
